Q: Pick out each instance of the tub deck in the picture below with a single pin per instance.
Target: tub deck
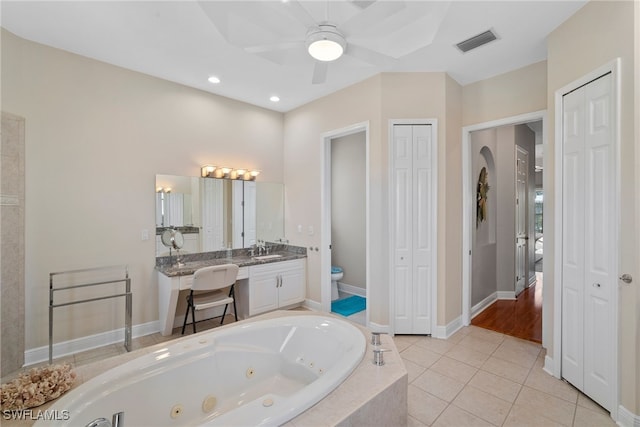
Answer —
(371, 395)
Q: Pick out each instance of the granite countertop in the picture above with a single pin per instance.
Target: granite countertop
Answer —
(192, 262)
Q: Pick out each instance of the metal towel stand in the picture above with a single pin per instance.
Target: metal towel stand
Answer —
(127, 294)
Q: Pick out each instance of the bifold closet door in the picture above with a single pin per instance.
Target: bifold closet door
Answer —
(412, 194)
(589, 239)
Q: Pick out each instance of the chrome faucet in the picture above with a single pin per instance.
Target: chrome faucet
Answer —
(378, 359)
(117, 420)
(99, 422)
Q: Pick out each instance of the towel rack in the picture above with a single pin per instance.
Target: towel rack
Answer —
(121, 276)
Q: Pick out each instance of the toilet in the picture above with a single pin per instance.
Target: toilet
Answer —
(336, 274)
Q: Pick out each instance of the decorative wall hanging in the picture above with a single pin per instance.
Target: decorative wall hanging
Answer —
(481, 196)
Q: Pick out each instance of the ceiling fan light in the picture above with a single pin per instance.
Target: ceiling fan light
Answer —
(325, 50)
(326, 43)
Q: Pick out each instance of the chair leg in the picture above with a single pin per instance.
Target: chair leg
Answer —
(186, 315)
(224, 313)
(235, 310)
(193, 317)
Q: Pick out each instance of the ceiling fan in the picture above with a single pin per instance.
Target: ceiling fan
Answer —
(325, 40)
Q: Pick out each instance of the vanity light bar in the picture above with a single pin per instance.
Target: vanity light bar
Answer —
(207, 171)
(210, 171)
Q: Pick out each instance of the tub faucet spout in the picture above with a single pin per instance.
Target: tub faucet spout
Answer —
(99, 422)
(117, 419)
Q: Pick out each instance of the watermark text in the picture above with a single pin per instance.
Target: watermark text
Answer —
(36, 414)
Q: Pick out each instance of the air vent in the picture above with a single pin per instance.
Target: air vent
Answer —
(477, 41)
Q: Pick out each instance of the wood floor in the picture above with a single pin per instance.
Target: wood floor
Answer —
(520, 318)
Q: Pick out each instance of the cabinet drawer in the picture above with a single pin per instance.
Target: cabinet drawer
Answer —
(275, 267)
(185, 282)
(243, 273)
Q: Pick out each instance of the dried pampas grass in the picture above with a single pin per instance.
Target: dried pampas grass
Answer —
(37, 386)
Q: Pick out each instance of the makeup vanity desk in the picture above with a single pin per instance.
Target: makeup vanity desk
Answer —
(262, 284)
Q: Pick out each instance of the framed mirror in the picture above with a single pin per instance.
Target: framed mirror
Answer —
(215, 214)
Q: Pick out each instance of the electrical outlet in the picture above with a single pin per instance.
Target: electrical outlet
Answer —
(145, 234)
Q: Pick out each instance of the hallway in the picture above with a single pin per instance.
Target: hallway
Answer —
(521, 318)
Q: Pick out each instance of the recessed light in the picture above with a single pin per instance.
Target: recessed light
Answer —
(214, 79)
(274, 99)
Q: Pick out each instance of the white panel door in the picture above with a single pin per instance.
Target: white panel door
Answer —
(589, 240)
(402, 150)
(522, 203)
(422, 225)
(413, 241)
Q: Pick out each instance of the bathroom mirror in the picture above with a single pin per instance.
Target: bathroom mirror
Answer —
(213, 214)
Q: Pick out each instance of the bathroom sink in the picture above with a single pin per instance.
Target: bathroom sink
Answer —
(264, 257)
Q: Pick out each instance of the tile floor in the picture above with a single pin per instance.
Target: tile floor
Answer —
(483, 378)
(475, 378)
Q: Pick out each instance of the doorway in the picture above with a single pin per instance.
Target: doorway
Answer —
(504, 257)
(345, 223)
(505, 290)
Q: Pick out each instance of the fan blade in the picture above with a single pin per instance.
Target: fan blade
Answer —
(300, 13)
(320, 72)
(370, 17)
(370, 56)
(278, 53)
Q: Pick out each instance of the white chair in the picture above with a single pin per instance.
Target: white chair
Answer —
(209, 290)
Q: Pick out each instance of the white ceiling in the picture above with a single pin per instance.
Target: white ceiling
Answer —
(188, 41)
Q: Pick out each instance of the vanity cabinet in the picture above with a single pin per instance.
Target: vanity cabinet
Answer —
(276, 285)
(259, 288)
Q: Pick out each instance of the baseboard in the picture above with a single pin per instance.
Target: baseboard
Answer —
(353, 290)
(312, 305)
(549, 365)
(65, 348)
(444, 332)
(626, 418)
(506, 294)
(482, 305)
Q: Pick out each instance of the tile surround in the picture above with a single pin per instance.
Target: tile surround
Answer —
(12, 243)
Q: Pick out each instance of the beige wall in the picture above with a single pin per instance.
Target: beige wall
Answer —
(96, 136)
(517, 92)
(637, 199)
(595, 35)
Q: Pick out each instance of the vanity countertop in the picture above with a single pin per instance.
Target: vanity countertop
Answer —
(190, 266)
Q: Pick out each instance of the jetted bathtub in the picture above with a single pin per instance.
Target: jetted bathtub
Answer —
(260, 373)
